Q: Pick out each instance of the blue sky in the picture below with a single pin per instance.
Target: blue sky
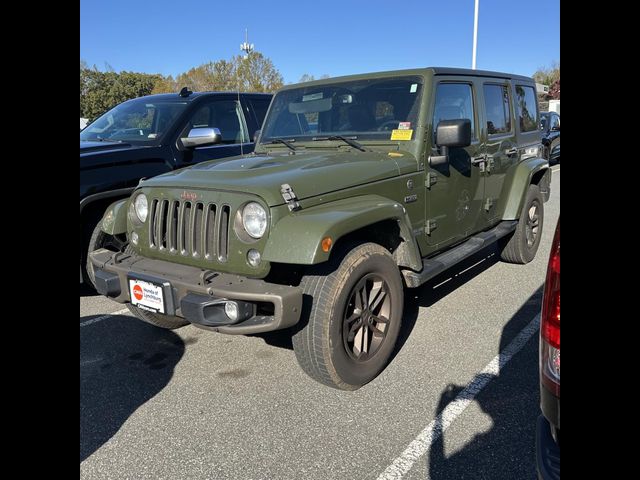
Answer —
(323, 37)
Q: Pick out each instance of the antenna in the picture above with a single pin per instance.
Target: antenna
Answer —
(246, 47)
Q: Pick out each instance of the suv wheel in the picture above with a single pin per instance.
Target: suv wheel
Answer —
(354, 306)
(523, 244)
(98, 239)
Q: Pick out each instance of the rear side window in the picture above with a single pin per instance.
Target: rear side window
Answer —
(454, 101)
(260, 107)
(496, 104)
(527, 108)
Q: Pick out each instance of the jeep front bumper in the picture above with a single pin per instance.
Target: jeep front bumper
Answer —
(200, 296)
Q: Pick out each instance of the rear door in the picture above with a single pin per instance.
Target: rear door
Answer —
(502, 151)
(455, 191)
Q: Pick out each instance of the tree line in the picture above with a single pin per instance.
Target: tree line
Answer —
(549, 76)
(103, 90)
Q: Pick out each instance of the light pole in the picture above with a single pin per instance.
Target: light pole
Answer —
(475, 35)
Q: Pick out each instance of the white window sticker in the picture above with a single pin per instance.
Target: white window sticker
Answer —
(414, 88)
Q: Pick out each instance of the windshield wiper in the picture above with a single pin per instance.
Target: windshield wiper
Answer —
(349, 141)
(284, 142)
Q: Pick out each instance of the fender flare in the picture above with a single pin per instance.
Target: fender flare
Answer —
(519, 185)
(114, 221)
(296, 238)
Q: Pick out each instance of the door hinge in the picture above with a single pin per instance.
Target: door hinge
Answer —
(430, 180)
(490, 163)
(289, 197)
(488, 204)
(430, 227)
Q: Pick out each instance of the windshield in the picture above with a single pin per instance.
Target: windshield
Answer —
(136, 121)
(363, 109)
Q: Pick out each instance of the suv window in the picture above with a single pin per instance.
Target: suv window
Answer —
(497, 108)
(260, 107)
(527, 108)
(226, 115)
(555, 121)
(453, 101)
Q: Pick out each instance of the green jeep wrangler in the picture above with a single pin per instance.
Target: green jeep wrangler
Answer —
(358, 187)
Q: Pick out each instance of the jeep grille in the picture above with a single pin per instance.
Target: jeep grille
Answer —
(196, 229)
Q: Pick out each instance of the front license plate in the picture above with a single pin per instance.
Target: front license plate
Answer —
(146, 295)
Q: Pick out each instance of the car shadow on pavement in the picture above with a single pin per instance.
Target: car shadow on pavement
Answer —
(424, 296)
(511, 399)
(435, 290)
(123, 363)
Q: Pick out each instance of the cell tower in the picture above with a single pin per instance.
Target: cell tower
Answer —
(246, 47)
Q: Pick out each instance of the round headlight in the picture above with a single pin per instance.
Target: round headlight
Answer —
(254, 219)
(141, 207)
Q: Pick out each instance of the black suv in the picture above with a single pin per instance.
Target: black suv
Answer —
(550, 126)
(146, 136)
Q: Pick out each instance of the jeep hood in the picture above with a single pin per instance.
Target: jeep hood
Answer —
(308, 174)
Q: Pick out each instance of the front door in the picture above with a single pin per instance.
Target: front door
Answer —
(225, 115)
(455, 190)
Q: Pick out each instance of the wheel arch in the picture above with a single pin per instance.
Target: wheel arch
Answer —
(534, 171)
(297, 238)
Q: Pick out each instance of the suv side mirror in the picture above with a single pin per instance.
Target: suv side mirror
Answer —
(256, 135)
(451, 133)
(200, 137)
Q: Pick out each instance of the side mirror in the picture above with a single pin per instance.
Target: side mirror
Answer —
(200, 137)
(256, 135)
(451, 133)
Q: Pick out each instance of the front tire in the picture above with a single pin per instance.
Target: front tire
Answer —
(523, 244)
(98, 239)
(354, 306)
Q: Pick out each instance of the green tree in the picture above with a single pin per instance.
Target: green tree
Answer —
(101, 91)
(253, 74)
(547, 75)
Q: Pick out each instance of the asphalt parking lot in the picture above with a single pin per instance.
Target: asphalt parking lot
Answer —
(190, 404)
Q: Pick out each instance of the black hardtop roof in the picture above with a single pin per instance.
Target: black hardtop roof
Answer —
(176, 97)
(416, 71)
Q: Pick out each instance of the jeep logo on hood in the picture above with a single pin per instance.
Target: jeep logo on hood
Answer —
(189, 196)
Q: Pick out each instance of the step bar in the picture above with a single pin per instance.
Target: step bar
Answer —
(438, 264)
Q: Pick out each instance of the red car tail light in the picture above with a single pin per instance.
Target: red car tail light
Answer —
(550, 321)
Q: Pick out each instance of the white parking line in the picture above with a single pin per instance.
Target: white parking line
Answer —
(418, 447)
(555, 169)
(103, 317)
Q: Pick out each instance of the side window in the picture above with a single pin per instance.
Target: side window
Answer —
(555, 121)
(527, 108)
(260, 107)
(497, 108)
(453, 101)
(226, 115)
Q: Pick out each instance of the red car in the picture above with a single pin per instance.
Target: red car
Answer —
(548, 426)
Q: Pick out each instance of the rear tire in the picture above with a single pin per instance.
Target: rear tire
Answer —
(354, 309)
(167, 322)
(523, 244)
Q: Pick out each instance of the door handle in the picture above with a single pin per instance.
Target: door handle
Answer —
(478, 160)
(511, 151)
